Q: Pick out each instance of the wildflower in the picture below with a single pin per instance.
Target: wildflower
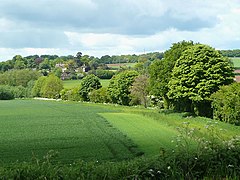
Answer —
(168, 167)
(230, 165)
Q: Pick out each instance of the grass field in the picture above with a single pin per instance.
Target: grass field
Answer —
(236, 62)
(88, 131)
(148, 134)
(75, 83)
(76, 131)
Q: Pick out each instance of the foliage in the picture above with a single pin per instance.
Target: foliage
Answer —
(88, 84)
(18, 77)
(119, 87)
(140, 89)
(231, 53)
(104, 74)
(197, 74)
(51, 87)
(70, 94)
(99, 95)
(161, 70)
(6, 92)
(226, 104)
(36, 90)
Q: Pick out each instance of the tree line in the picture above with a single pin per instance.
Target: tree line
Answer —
(191, 77)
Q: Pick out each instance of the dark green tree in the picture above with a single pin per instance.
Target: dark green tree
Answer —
(6, 92)
(197, 74)
(119, 87)
(88, 84)
(161, 70)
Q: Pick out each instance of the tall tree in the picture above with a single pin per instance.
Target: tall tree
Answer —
(51, 87)
(140, 89)
(88, 84)
(119, 87)
(161, 70)
(197, 74)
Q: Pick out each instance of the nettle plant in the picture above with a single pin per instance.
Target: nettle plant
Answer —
(209, 155)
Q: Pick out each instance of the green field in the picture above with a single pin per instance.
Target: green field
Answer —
(91, 132)
(75, 83)
(118, 65)
(236, 62)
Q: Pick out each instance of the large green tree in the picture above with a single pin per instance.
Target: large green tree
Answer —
(51, 87)
(88, 84)
(161, 70)
(197, 74)
(119, 87)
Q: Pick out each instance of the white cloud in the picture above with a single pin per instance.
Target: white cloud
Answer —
(114, 27)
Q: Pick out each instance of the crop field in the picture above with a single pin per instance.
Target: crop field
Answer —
(85, 131)
(32, 128)
(75, 83)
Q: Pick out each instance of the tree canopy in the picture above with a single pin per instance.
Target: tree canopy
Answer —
(119, 87)
(197, 74)
(88, 84)
(161, 70)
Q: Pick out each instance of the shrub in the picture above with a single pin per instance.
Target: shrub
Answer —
(70, 94)
(226, 104)
(6, 93)
(99, 96)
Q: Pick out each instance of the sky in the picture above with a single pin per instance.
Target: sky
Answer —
(114, 27)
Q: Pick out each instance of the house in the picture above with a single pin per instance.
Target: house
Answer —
(62, 66)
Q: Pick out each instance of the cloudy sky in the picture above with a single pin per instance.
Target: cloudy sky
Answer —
(100, 27)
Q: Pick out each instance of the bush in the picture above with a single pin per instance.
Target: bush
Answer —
(6, 93)
(70, 94)
(99, 96)
(19, 91)
(226, 104)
